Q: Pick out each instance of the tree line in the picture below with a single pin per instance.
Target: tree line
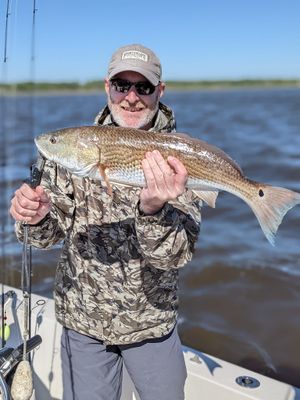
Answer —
(97, 85)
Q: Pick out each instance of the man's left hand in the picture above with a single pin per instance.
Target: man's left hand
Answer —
(165, 180)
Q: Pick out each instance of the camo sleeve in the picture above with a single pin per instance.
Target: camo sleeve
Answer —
(167, 239)
(53, 228)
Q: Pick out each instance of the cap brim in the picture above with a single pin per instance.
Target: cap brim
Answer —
(148, 75)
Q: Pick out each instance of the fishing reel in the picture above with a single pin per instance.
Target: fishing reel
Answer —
(9, 358)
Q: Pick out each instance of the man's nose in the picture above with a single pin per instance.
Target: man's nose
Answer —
(132, 95)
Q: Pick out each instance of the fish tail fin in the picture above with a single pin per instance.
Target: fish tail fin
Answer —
(270, 206)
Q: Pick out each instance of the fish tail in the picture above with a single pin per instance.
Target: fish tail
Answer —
(270, 206)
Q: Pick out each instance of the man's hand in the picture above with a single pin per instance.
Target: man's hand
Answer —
(165, 180)
(30, 205)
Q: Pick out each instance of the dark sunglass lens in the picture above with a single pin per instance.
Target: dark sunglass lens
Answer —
(144, 88)
(120, 85)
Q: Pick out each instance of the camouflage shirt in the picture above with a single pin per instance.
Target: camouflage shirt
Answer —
(117, 275)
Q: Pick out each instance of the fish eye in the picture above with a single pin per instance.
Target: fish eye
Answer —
(52, 140)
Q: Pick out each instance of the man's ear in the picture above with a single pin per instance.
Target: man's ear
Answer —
(106, 86)
(162, 87)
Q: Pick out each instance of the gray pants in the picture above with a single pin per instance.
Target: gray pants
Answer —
(93, 371)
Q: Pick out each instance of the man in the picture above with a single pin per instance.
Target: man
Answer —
(116, 280)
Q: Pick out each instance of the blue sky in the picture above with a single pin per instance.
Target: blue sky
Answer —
(204, 39)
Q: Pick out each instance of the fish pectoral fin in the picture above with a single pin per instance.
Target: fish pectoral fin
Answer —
(209, 196)
(103, 175)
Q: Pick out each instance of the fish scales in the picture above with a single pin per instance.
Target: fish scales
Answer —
(122, 149)
(115, 154)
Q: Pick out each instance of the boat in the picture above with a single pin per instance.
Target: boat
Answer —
(209, 377)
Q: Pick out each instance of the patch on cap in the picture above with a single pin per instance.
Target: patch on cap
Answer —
(135, 55)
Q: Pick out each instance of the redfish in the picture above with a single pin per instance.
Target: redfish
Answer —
(115, 154)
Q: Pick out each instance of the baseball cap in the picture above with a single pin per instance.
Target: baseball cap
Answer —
(138, 58)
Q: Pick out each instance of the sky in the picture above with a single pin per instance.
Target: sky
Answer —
(195, 40)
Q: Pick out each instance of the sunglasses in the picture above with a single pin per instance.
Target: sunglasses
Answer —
(143, 88)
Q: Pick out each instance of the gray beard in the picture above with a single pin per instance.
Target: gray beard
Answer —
(147, 119)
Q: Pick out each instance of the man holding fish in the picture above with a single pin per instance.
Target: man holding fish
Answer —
(116, 280)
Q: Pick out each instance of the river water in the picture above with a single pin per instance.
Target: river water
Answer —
(239, 296)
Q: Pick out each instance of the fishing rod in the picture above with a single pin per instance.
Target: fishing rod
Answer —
(33, 182)
(3, 165)
(32, 55)
(6, 30)
(22, 383)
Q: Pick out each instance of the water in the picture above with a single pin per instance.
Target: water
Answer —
(240, 297)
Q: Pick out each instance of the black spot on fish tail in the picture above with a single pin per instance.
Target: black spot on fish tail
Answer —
(261, 193)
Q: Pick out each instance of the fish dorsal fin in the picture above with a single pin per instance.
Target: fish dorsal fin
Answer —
(210, 147)
(209, 196)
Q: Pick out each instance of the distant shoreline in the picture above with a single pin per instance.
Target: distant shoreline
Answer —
(98, 87)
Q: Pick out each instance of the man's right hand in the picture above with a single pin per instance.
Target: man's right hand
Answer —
(30, 205)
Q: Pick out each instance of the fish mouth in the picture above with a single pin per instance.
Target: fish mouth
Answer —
(39, 148)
